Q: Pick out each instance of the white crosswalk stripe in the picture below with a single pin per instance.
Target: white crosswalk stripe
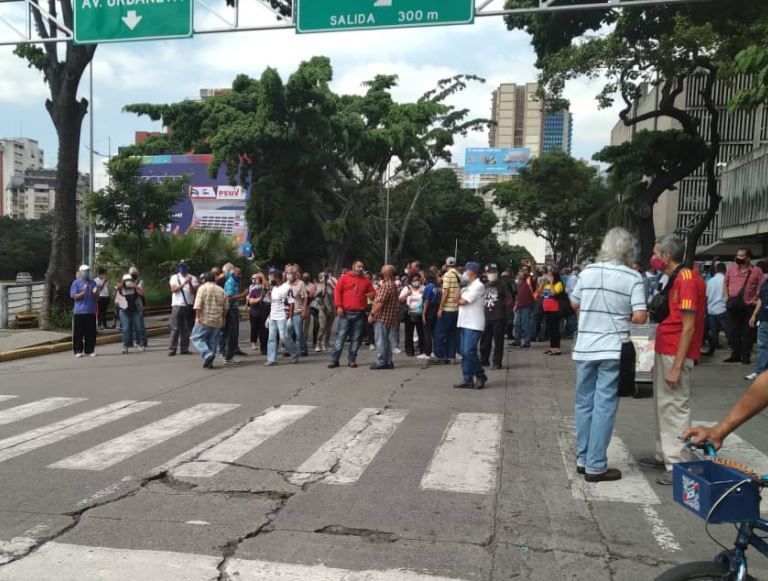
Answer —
(352, 449)
(7, 397)
(118, 449)
(468, 456)
(27, 410)
(84, 563)
(253, 434)
(37, 438)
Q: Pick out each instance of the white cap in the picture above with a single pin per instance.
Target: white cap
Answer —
(127, 277)
(450, 261)
(84, 267)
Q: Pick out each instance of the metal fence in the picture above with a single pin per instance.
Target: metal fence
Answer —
(18, 298)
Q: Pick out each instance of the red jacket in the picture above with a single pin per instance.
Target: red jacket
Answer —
(351, 293)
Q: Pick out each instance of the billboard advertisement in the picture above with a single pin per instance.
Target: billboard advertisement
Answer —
(496, 160)
(209, 203)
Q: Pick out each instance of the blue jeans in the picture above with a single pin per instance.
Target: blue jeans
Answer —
(597, 401)
(298, 329)
(523, 325)
(445, 335)
(131, 322)
(351, 325)
(278, 331)
(762, 347)
(386, 339)
(205, 339)
(470, 361)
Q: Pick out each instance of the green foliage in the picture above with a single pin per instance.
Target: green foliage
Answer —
(314, 159)
(559, 199)
(752, 60)
(61, 319)
(24, 246)
(513, 256)
(132, 204)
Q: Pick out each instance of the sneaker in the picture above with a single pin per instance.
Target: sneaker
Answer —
(352, 364)
(397, 350)
(464, 385)
(318, 349)
(171, 353)
(732, 359)
(372, 348)
(480, 382)
(125, 350)
(751, 377)
(232, 361)
(241, 353)
(423, 356)
(295, 359)
(78, 355)
(208, 363)
(665, 479)
(270, 363)
(141, 348)
(390, 365)
(436, 361)
(377, 366)
(92, 354)
(609, 475)
(651, 463)
(515, 343)
(496, 367)
(333, 364)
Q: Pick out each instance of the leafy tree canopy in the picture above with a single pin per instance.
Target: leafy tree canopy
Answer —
(24, 246)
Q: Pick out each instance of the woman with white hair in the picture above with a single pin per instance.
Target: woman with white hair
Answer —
(608, 296)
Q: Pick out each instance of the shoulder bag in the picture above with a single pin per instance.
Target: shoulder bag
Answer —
(736, 304)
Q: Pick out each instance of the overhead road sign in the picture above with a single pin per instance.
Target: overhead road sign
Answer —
(99, 21)
(325, 16)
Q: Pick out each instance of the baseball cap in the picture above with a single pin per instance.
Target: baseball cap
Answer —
(490, 267)
(83, 268)
(450, 261)
(127, 277)
(473, 266)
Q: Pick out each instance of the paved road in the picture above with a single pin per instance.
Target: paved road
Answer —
(146, 467)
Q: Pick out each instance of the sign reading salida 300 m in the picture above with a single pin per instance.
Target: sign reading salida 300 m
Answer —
(324, 16)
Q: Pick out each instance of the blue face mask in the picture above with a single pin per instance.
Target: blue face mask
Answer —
(183, 270)
(86, 274)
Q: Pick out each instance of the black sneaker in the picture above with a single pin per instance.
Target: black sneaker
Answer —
(464, 385)
(333, 364)
(732, 359)
(608, 476)
(377, 366)
(496, 367)
(208, 363)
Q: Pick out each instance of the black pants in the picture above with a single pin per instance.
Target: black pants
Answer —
(741, 335)
(429, 335)
(493, 334)
(83, 333)
(412, 323)
(103, 308)
(232, 331)
(552, 321)
(259, 332)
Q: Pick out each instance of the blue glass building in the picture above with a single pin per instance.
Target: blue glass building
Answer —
(558, 131)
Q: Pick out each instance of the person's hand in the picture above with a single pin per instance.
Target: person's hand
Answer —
(304, 315)
(339, 312)
(752, 322)
(699, 435)
(439, 313)
(370, 319)
(673, 378)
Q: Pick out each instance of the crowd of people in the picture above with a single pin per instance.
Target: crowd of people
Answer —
(450, 313)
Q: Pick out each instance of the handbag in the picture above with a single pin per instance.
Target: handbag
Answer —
(736, 304)
(564, 304)
(658, 308)
(627, 364)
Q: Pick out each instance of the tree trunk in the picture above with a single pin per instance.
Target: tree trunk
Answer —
(408, 215)
(67, 114)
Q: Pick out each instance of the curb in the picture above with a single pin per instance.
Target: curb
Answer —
(62, 346)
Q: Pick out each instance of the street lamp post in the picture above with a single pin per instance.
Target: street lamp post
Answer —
(91, 222)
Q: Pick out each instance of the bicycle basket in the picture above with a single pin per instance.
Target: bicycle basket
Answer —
(699, 485)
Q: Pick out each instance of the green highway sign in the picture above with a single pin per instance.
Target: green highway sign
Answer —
(120, 20)
(335, 15)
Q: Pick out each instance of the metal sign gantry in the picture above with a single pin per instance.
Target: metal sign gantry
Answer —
(22, 29)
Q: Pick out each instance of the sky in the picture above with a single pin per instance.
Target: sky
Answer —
(169, 71)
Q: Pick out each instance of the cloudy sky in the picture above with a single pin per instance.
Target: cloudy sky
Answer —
(173, 70)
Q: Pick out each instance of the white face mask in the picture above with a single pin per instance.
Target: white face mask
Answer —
(416, 284)
(493, 277)
(128, 283)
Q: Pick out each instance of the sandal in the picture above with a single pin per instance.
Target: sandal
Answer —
(548, 352)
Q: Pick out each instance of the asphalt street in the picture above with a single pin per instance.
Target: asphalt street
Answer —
(145, 467)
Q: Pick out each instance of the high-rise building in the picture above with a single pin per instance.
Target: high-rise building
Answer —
(33, 194)
(741, 132)
(16, 156)
(558, 131)
(518, 113)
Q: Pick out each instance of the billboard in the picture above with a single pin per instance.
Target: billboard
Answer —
(209, 203)
(496, 160)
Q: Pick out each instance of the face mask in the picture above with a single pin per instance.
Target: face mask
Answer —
(183, 270)
(258, 286)
(416, 284)
(658, 264)
(358, 272)
(740, 261)
(492, 277)
(128, 284)
(465, 279)
(306, 280)
(291, 277)
(86, 274)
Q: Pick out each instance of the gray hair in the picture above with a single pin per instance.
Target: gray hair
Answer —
(133, 270)
(673, 246)
(618, 246)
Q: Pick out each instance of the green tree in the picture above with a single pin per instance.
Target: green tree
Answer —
(62, 69)
(24, 246)
(315, 160)
(559, 199)
(131, 204)
(753, 60)
(663, 46)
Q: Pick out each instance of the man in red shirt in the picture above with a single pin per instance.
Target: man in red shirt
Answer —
(351, 299)
(679, 338)
(524, 308)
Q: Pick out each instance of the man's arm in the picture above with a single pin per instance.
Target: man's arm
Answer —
(753, 318)
(752, 402)
(176, 286)
(686, 336)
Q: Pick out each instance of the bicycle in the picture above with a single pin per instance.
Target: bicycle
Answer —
(720, 491)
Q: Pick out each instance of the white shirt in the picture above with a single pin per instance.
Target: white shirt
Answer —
(185, 297)
(281, 298)
(102, 284)
(472, 315)
(715, 300)
(608, 293)
(415, 298)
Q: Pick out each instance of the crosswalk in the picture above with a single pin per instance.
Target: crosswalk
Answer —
(465, 461)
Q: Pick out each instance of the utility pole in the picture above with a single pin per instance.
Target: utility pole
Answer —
(386, 222)
(91, 222)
